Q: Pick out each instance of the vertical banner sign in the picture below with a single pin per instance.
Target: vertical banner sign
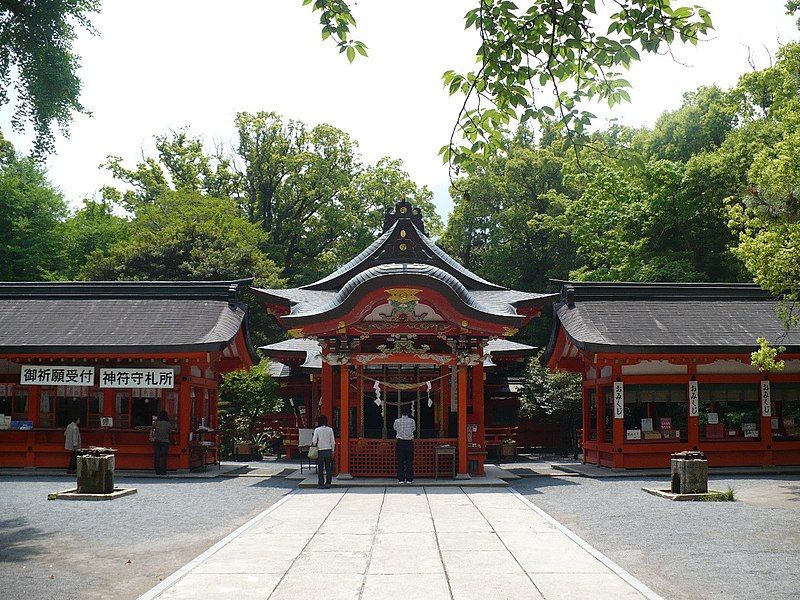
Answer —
(619, 400)
(766, 400)
(694, 399)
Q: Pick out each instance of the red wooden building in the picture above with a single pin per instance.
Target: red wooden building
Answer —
(115, 354)
(400, 324)
(666, 367)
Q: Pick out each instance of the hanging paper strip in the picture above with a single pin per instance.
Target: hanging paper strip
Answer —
(377, 388)
(430, 400)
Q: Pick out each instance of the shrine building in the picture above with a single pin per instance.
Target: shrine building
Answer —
(115, 354)
(666, 367)
(402, 324)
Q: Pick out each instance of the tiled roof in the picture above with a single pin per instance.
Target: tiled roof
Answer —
(656, 318)
(125, 317)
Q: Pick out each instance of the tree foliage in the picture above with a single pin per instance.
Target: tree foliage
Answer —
(543, 61)
(553, 394)
(186, 236)
(31, 210)
(245, 396)
(38, 63)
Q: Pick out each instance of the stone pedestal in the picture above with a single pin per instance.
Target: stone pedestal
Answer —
(689, 473)
(96, 474)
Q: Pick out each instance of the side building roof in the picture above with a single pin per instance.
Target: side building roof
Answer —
(121, 317)
(657, 318)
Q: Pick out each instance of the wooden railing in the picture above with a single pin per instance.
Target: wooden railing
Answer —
(496, 435)
(377, 458)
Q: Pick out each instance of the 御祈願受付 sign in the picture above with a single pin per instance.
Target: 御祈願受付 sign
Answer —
(63, 375)
(137, 378)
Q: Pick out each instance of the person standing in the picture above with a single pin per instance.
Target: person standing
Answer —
(405, 427)
(72, 442)
(325, 442)
(160, 436)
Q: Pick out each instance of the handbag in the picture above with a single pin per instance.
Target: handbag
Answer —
(313, 453)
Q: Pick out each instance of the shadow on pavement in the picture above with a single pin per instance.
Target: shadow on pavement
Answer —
(18, 541)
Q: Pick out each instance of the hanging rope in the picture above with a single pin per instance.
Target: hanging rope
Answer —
(402, 386)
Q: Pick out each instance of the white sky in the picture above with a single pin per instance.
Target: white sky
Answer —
(160, 64)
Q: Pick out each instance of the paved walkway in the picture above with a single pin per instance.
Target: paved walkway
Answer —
(405, 543)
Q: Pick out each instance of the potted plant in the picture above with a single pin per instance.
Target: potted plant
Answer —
(242, 448)
(508, 448)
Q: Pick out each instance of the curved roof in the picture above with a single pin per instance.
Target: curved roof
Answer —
(419, 249)
(401, 255)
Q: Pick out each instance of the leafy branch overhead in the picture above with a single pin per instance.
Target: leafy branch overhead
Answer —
(336, 19)
(38, 63)
(542, 62)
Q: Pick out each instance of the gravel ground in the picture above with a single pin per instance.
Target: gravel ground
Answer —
(119, 548)
(686, 550)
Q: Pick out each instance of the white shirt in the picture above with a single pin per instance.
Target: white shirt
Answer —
(405, 427)
(72, 437)
(323, 438)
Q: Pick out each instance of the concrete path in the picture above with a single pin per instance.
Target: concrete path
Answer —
(403, 543)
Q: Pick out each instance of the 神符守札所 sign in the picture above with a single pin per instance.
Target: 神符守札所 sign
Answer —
(65, 375)
(137, 378)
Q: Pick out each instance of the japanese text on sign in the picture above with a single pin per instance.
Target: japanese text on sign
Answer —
(694, 399)
(619, 400)
(766, 400)
(137, 378)
(64, 375)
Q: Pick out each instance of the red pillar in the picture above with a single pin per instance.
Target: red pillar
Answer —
(443, 408)
(478, 404)
(327, 392)
(34, 398)
(463, 471)
(586, 428)
(600, 402)
(184, 416)
(618, 423)
(344, 422)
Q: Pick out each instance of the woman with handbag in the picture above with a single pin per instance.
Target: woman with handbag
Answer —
(324, 443)
(159, 435)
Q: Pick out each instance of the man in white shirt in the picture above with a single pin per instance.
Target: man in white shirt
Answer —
(325, 442)
(405, 427)
(72, 442)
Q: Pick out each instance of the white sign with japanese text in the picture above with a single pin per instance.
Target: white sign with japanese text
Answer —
(62, 375)
(619, 400)
(137, 378)
(694, 399)
(766, 400)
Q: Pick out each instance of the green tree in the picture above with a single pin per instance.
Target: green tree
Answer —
(373, 190)
(245, 396)
(541, 61)
(294, 187)
(91, 230)
(38, 63)
(31, 211)
(555, 395)
(187, 236)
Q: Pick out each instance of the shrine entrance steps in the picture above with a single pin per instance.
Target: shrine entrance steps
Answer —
(447, 543)
(494, 477)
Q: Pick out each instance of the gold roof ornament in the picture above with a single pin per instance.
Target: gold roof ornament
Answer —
(403, 295)
(296, 333)
(509, 331)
